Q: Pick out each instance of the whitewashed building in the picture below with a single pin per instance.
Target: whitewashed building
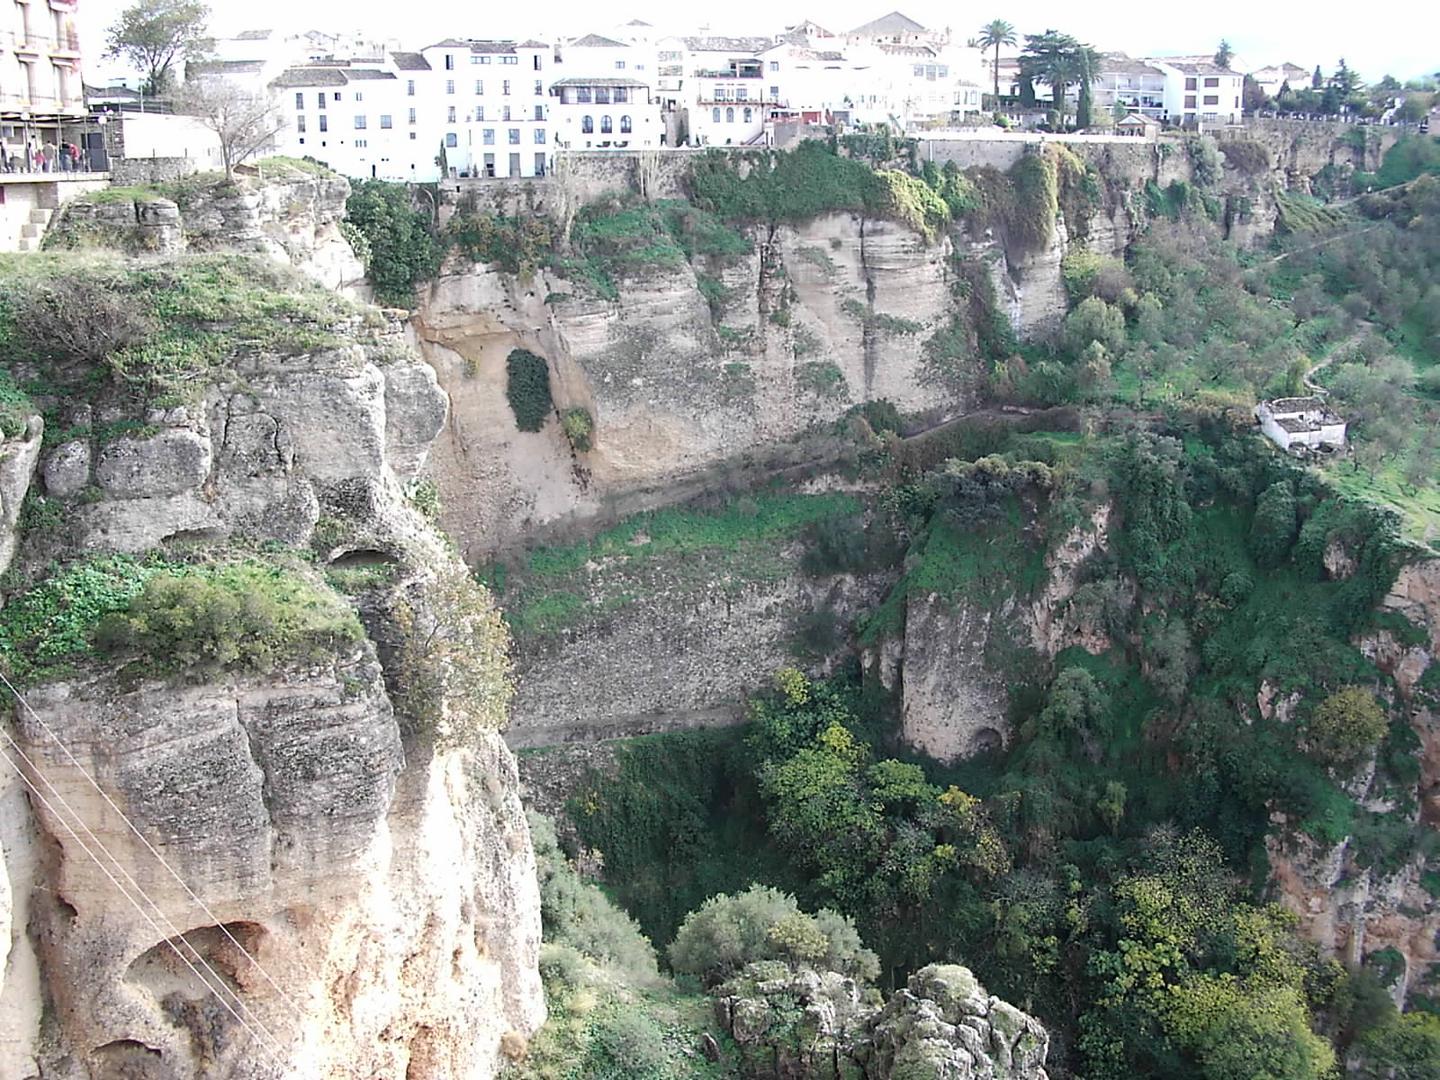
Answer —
(491, 102)
(1271, 79)
(1200, 92)
(1302, 421)
(1137, 86)
(605, 114)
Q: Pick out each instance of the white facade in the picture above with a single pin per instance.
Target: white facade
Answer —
(40, 62)
(1271, 79)
(1305, 421)
(1136, 86)
(1200, 91)
(605, 114)
(351, 118)
(490, 100)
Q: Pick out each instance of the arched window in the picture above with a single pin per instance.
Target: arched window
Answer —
(605, 125)
(715, 115)
(625, 125)
(747, 114)
(729, 116)
(587, 125)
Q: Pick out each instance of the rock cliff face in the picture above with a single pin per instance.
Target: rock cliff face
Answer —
(1352, 908)
(673, 386)
(364, 892)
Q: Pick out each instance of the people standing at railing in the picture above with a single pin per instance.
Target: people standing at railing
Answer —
(48, 155)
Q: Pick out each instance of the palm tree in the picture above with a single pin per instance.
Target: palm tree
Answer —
(993, 34)
(1057, 60)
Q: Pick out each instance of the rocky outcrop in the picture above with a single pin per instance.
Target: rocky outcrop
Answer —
(289, 217)
(367, 915)
(796, 1022)
(361, 892)
(18, 457)
(944, 1024)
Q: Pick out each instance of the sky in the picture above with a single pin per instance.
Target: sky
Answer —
(1403, 41)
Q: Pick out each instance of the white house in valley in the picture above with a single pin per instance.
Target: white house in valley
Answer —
(1302, 421)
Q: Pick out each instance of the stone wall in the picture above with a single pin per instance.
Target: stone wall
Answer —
(151, 170)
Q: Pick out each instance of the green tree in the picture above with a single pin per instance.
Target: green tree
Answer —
(151, 35)
(403, 251)
(1406, 1048)
(1345, 726)
(1059, 61)
(1317, 81)
(1272, 532)
(1224, 54)
(993, 35)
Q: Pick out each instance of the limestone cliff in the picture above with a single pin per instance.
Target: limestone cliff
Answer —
(355, 862)
(1351, 907)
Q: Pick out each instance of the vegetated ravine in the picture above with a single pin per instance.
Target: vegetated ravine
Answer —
(917, 663)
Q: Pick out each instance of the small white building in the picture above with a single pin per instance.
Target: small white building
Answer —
(1302, 421)
(1134, 85)
(1271, 79)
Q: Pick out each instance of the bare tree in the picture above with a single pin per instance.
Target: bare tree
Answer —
(244, 122)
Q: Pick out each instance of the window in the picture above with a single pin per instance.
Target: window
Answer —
(539, 88)
(536, 60)
(774, 65)
(449, 62)
(450, 86)
(450, 115)
(514, 136)
(582, 95)
(300, 124)
(1189, 84)
(1212, 99)
(474, 58)
(625, 125)
(324, 123)
(412, 135)
(479, 87)
(539, 136)
(539, 112)
(742, 93)
(919, 71)
(715, 115)
(409, 87)
(359, 123)
(747, 114)
(510, 59)
(729, 116)
(505, 113)
(539, 164)
(1211, 84)
(385, 121)
(451, 139)
(411, 117)
(505, 88)
(943, 71)
(488, 136)
(337, 95)
(480, 112)
(606, 125)
(619, 65)
(1189, 101)
(722, 93)
(299, 99)
(602, 95)
(359, 96)
(587, 124)
(484, 59)
(361, 144)
(774, 93)
(319, 101)
(622, 95)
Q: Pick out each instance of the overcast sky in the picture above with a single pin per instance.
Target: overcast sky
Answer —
(1401, 37)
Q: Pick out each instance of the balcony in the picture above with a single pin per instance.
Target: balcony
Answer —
(729, 73)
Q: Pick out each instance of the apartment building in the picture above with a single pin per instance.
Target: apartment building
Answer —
(40, 83)
(351, 116)
(491, 100)
(1199, 92)
(1137, 86)
(726, 88)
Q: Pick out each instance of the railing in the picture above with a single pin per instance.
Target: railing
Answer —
(18, 42)
(729, 74)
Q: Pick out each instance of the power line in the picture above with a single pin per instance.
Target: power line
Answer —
(219, 987)
(214, 919)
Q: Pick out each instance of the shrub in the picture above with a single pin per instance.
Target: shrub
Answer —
(527, 386)
(403, 250)
(1246, 155)
(578, 426)
(1273, 531)
(16, 408)
(626, 1045)
(728, 932)
(882, 416)
(1094, 320)
(575, 913)
(82, 315)
(1204, 161)
(1346, 725)
(837, 545)
(244, 616)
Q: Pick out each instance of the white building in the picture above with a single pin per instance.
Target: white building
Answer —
(1271, 79)
(724, 87)
(605, 113)
(896, 29)
(1303, 421)
(1136, 86)
(1199, 91)
(40, 80)
(353, 118)
(491, 101)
